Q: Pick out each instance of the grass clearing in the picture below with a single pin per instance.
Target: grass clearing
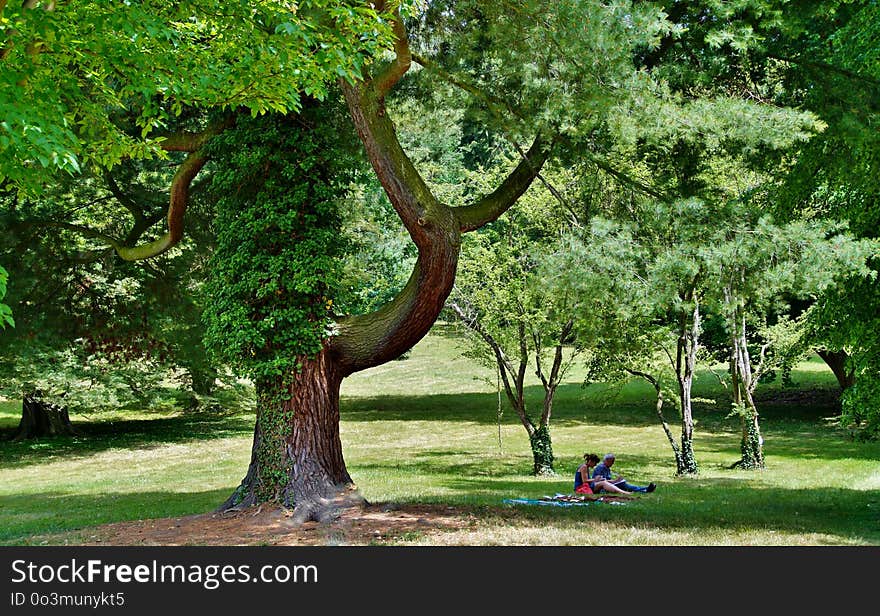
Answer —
(424, 430)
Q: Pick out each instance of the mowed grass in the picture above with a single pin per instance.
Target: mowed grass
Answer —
(426, 430)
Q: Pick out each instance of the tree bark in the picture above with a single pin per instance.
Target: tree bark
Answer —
(836, 360)
(542, 452)
(296, 457)
(688, 343)
(751, 443)
(542, 447)
(40, 418)
(744, 383)
(676, 450)
(514, 385)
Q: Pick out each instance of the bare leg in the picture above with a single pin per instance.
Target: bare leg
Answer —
(609, 487)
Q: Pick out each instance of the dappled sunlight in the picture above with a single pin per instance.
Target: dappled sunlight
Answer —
(433, 443)
(33, 514)
(124, 434)
(591, 533)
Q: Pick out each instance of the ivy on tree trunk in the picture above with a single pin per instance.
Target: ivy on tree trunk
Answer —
(297, 456)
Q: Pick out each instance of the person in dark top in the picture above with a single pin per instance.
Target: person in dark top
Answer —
(584, 484)
(603, 471)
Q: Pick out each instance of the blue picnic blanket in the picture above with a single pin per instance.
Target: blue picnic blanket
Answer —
(546, 503)
(559, 500)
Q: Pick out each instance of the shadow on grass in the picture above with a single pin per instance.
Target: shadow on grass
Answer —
(569, 408)
(788, 438)
(465, 466)
(692, 506)
(790, 426)
(595, 404)
(28, 515)
(687, 506)
(128, 434)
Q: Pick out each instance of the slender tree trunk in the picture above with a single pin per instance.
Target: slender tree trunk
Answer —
(744, 382)
(685, 367)
(542, 445)
(514, 387)
(542, 451)
(41, 418)
(676, 450)
(752, 443)
(680, 466)
(688, 462)
(203, 380)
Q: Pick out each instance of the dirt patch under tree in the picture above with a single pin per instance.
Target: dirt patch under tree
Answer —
(272, 525)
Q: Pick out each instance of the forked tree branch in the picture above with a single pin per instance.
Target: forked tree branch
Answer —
(142, 221)
(178, 201)
(368, 340)
(492, 206)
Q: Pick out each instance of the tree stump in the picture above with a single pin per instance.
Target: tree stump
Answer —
(42, 418)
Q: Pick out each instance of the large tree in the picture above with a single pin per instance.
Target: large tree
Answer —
(540, 73)
(156, 79)
(830, 65)
(308, 451)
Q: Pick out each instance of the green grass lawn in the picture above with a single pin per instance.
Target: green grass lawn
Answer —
(425, 430)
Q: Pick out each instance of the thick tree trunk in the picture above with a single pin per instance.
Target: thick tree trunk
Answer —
(297, 453)
(836, 360)
(296, 458)
(41, 418)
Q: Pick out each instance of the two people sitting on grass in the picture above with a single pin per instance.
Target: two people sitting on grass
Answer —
(601, 479)
(584, 484)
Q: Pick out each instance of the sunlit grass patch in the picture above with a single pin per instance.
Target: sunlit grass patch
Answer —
(424, 430)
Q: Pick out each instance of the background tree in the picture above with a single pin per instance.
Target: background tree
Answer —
(647, 289)
(605, 266)
(649, 277)
(756, 262)
(96, 331)
(513, 324)
(829, 64)
(819, 56)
